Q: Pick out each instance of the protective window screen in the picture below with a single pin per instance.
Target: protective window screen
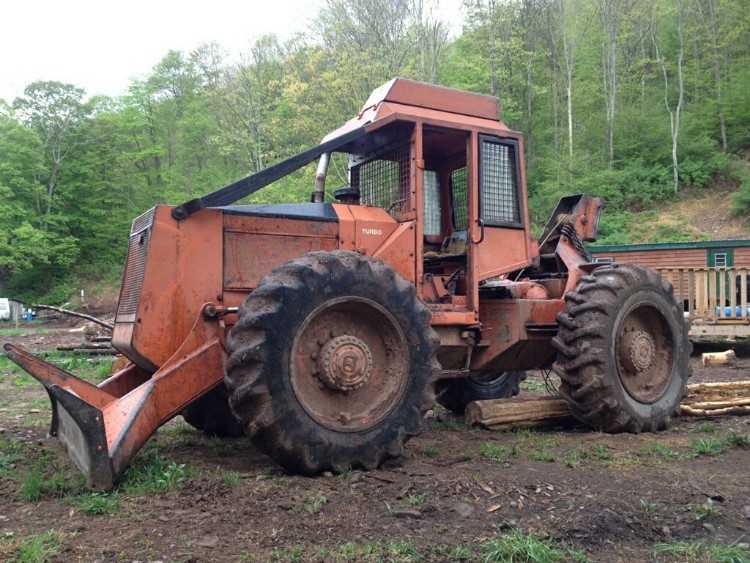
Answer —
(432, 209)
(499, 196)
(460, 196)
(384, 181)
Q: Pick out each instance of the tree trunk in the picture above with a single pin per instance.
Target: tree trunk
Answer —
(713, 27)
(493, 61)
(674, 115)
(610, 20)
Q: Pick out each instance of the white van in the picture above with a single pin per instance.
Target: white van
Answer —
(4, 309)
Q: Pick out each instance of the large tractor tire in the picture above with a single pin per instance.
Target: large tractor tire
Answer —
(623, 350)
(331, 363)
(211, 414)
(455, 394)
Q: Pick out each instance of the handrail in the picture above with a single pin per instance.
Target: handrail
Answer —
(711, 293)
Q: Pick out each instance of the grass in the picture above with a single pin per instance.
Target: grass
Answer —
(10, 454)
(314, 502)
(705, 510)
(153, 473)
(451, 424)
(430, 451)
(416, 500)
(514, 547)
(39, 548)
(660, 451)
(518, 547)
(695, 552)
(46, 480)
(647, 505)
(498, 453)
(96, 368)
(231, 478)
(22, 330)
(706, 428)
(97, 504)
(707, 446)
(291, 554)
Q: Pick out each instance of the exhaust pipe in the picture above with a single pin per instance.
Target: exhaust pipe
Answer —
(319, 194)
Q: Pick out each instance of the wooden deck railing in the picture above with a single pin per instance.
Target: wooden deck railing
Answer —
(711, 294)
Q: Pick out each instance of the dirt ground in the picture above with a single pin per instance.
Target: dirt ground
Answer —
(680, 495)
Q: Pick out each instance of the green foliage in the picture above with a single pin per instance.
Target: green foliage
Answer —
(48, 479)
(40, 548)
(75, 171)
(518, 547)
(741, 198)
(97, 504)
(695, 552)
(153, 473)
(497, 452)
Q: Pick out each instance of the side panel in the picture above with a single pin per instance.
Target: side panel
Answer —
(253, 246)
(371, 231)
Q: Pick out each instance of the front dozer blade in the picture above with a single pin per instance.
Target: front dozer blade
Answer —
(80, 428)
(103, 426)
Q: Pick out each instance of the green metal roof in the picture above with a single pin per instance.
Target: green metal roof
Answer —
(729, 243)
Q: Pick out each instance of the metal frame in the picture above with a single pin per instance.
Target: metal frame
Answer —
(483, 138)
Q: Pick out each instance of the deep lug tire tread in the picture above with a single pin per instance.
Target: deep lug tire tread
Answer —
(264, 333)
(589, 383)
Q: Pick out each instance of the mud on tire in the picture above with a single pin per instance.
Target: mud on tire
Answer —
(623, 350)
(321, 306)
(455, 394)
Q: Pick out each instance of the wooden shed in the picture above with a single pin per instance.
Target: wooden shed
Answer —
(672, 255)
(711, 278)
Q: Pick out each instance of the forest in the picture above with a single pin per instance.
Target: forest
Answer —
(635, 101)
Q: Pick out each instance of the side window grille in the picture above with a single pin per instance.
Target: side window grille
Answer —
(459, 194)
(499, 183)
(432, 209)
(384, 181)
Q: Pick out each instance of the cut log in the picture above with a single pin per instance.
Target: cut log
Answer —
(702, 399)
(718, 358)
(687, 410)
(518, 411)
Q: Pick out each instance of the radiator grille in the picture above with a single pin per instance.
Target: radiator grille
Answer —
(143, 221)
(135, 266)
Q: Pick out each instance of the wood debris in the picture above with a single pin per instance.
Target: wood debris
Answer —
(701, 399)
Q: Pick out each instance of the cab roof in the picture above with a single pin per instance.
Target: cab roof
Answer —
(411, 100)
(430, 96)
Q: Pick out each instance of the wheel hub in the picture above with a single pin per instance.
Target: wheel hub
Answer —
(638, 352)
(644, 353)
(345, 363)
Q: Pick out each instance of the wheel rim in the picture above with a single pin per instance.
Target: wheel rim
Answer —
(644, 353)
(349, 364)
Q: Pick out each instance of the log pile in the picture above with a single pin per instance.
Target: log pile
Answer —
(717, 399)
(702, 399)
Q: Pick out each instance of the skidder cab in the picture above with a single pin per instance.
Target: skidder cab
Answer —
(324, 330)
